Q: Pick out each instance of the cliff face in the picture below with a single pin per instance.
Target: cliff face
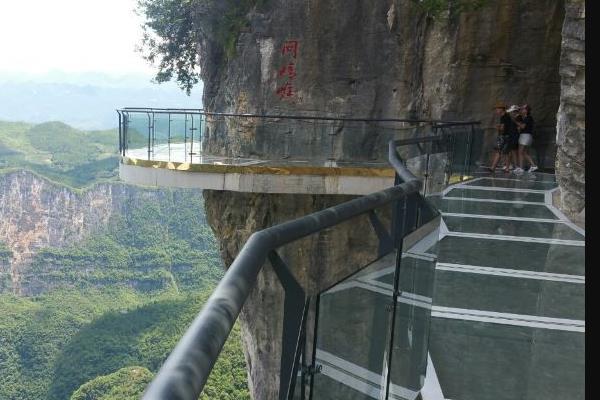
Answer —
(570, 135)
(35, 213)
(384, 59)
(360, 59)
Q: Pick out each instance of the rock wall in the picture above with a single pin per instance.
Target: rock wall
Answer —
(355, 58)
(36, 213)
(570, 135)
(382, 59)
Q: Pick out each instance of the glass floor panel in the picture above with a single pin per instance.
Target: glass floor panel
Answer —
(542, 257)
(513, 183)
(513, 295)
(508, 317)
(546, 230)
(496, 194)
(491, 208)
(326, 388)
(485, 361)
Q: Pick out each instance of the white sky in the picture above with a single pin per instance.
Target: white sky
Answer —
(70, 35)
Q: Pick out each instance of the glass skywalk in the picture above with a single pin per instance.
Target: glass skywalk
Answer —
(508, 316)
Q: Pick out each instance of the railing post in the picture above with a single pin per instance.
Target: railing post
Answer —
(192, 139)
(201, 133)
(471, 138)
(149, 135)
(185, 137)
(169, 135)
(125, 132)
(120, 133)
(153, 133)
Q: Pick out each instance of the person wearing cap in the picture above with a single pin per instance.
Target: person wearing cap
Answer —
(504, 129)
(525, 125)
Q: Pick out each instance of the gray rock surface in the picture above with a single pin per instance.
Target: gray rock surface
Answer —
(570, 135)
(382, 59)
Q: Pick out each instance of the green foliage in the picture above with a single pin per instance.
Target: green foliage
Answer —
(175, 28)
(435, 8)
(53, 344)
(59, 152)
(125, 384)
(33, 332)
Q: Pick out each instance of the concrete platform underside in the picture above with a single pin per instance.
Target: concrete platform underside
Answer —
(253, 177)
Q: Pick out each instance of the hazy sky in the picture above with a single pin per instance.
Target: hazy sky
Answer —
(70, 35)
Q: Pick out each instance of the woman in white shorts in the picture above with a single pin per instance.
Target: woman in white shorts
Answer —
(525, 138)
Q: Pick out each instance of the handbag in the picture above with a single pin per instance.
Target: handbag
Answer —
(500, 141)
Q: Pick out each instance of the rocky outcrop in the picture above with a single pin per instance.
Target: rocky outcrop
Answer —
(570, 135)
(36, 213)
(354, 58)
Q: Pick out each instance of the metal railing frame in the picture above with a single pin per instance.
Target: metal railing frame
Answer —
(442, 126)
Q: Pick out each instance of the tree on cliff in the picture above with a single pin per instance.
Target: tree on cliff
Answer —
(176, 30)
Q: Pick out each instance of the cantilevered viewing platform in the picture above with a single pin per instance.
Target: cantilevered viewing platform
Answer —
(252, 175)
(165, 147)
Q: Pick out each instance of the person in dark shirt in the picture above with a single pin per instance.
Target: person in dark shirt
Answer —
(505, 129)
(525, 124)
(513, 137)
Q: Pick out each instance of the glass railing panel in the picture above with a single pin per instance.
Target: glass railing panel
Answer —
(179, 137)
(160, 136)
(353, 330)
(137, 128)
(412, 325)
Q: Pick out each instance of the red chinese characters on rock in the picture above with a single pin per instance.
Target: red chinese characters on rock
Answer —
(289, 49)
(286, 90)
(288, 70)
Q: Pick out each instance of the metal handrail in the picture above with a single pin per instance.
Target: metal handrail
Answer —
(295, 117)
(186, 370)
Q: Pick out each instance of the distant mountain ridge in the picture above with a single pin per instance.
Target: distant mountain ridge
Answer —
(85, 100)
(59, 152)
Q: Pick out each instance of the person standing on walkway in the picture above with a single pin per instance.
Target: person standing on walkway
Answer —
(525, 139)
(504, 129)
(513, 138)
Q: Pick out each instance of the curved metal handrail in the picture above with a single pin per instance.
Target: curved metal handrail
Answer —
(437, 122)
(186, 370)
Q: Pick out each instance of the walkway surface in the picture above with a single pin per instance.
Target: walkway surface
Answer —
(508, 320)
